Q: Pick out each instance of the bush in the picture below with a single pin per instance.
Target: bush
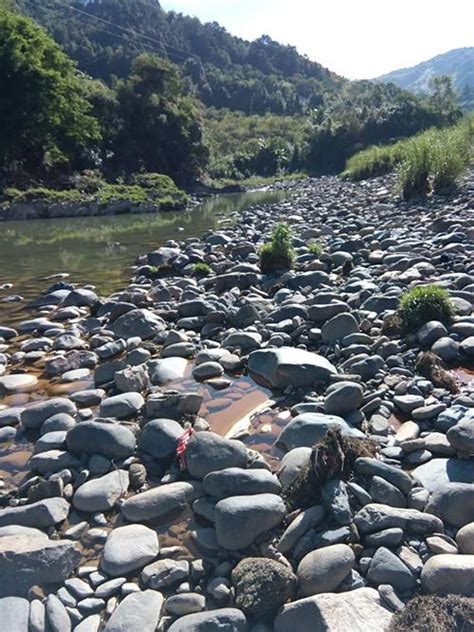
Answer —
(431, 613)
(422, 304)
(316, 249)
(278, 253)
(432, 160)
(201, 269)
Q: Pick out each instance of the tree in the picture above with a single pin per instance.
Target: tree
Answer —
(444, 98)
(161, 130)
(46, 119)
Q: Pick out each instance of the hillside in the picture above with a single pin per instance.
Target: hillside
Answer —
(223, 71)
(458, 63)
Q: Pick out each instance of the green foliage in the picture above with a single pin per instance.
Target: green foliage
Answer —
(201, 269)
(148, 189)
(161, 128)
(316, 249)
(424, 303)
(434, 159)
(278, 254)
(46, 120)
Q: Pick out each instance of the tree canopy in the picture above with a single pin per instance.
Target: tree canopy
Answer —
(46, 119)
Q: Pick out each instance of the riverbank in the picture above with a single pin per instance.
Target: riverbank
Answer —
(151, 194)
(180, 414)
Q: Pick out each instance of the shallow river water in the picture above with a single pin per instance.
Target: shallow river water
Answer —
(99, 250)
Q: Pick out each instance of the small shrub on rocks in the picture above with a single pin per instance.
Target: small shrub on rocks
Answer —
(435, 614)
(201, 269)
(422, 304)
(262, 586)
(278, 253)
(316, 249)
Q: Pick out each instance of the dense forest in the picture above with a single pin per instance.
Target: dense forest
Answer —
(123, 87)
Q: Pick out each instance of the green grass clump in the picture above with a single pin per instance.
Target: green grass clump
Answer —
(201, 269)
(316, 249)
(422, 304)
(430, 161)
(278, 254)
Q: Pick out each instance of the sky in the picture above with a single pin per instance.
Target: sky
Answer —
(360, 39)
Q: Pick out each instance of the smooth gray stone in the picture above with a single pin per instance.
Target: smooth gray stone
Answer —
(373, 467)
(235, 481)
(359, 610)
(157, 503)
(167, 370)
(241, 519)
(35, 415)
(138, 322)
(447, 574)
(292, 463)
(375, 517)
(37, 616)
(14, 614)
(289, 366)
(305, 521)
(57, 616)
(222, 620)
(386, 568)
(160, 437)
(343, 397)
(441, 471)
(109, 439)
(325, 569)
(307, 429)
(101, 494)
(207, 452)
(129, 548)
(453, 503)
(164, 573)
(90, 624)
(122, 406)
(138, 612)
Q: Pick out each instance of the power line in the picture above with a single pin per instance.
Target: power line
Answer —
(186, 55)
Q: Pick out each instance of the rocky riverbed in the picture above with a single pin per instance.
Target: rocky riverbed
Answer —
(246, 452)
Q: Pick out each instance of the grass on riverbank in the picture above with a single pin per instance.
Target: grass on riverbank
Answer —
(431, 161)
(151, 188)
(255, 182)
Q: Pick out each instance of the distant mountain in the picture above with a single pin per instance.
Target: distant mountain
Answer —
(458, 63)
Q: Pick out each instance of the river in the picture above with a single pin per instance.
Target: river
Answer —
(99, 250)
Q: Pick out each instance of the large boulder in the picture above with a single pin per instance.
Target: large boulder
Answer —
(129, 548)
(207, 452)
(138, 612)
(447, 574)
(109, 439)
(289, 366)
(241, 519)
(324, 569)
(138, 322)
(158, 502)
(307, 429)
(32, 559)
(360, 610)
(453, 503)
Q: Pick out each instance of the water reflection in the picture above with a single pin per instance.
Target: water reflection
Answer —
(99, 250)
